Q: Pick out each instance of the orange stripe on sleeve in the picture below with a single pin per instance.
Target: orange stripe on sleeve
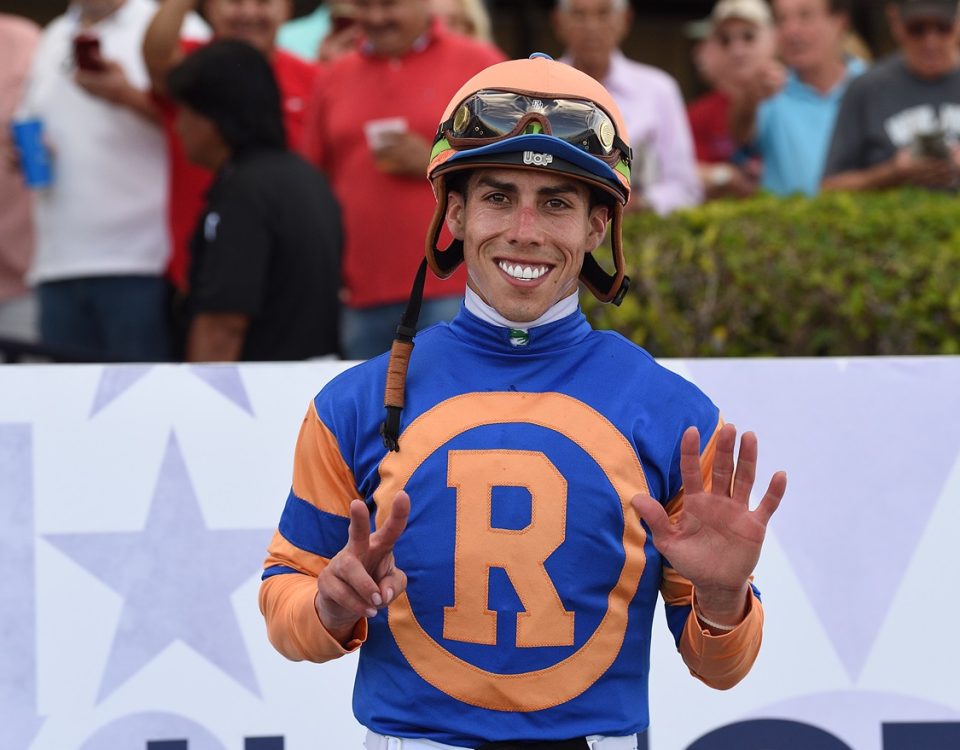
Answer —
(293, 625)
(320, 475)
(721, 661)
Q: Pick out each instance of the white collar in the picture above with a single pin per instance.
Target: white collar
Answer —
(479, 308)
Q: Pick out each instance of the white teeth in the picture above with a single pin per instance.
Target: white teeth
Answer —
(524, 273)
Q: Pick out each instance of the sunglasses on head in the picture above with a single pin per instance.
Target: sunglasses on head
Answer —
(491, 116)
(920, 27)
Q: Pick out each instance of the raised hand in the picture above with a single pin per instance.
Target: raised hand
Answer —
(362, 578)
(715, 543)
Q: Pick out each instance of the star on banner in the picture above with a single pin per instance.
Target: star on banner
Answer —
(176, 577)
(118, 379)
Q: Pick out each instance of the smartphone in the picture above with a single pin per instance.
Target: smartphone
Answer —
(932, 145)
(341, 18)
(86, 53)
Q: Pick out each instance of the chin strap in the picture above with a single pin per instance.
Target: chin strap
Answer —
(400, 351)
(601, 284)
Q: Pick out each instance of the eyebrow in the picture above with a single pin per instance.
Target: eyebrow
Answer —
(564, 188)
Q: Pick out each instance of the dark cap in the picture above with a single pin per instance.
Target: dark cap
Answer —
(927, 9)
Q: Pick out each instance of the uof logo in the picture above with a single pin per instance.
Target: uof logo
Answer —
(474, 474)
(536, 159)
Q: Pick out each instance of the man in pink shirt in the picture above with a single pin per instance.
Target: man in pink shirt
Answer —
(18, 40)
(664, 164)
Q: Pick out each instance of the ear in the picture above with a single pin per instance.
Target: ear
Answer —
(456, 210)
(598, 219)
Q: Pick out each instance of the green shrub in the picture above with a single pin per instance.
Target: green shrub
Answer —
(841, 274)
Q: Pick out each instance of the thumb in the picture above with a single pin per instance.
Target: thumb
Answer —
(652, 513)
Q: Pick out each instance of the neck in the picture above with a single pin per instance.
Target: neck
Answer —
(596, 68)
(824, 77)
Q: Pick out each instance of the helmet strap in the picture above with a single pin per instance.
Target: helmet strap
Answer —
(601, 284)
(395, 390)
(442, 262)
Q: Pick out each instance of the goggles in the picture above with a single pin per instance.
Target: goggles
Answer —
(490, 116)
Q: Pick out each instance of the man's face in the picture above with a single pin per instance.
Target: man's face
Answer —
(524, 236)
(202, 142)
(392, 26)
(808, 34)
(929, 44)
(591, 29)
(744, 47)
(253, 21)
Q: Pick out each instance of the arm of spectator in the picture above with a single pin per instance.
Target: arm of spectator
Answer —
(904, 168)
(217, 337)
(745, 101)
(676, 182)
(727, 181)
(112, 85)
(161, 43)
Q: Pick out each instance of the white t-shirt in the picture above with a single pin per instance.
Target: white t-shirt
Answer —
(105, 213)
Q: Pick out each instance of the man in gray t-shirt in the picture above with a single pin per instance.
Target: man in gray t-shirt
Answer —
(899, 123)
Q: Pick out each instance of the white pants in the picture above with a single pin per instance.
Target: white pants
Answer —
(376, 741)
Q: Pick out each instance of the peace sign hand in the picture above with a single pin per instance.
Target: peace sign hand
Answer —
(715, 543)
(362, 578)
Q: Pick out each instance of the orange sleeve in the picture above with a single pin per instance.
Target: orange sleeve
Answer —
(322, 479)
(721, 661)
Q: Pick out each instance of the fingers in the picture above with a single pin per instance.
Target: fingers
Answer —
(690, 461)
(771, 499)
(339, 600)
(383, 539)
(393, 583)
(653, 514)
(358, 541)
(746, 468)
(723, 461)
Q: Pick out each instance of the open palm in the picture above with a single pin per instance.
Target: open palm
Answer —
(715, 540)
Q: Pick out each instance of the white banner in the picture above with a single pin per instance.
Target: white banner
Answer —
(136, 503)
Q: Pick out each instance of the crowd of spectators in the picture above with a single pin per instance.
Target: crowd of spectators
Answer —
(262, 195)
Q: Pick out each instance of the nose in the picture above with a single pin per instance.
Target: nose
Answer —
(524, 228)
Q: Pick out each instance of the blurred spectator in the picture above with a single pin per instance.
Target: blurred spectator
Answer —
(899, 123)
(344, 33)
(705, 51)
(265, 272)
(467, 17)
(791, 126)
(252, 21)
(18, 313)
(373, 118)
(101, 239)
(742, 32)
(664, 167)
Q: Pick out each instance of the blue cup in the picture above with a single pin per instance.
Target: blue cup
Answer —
(34, 155)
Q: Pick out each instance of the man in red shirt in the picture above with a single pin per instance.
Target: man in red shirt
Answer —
(371, 120)
(742, 32)
(252, 21)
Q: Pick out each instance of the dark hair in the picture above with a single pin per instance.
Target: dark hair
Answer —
(232, 83)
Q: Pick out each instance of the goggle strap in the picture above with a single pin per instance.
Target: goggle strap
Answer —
(394, 393)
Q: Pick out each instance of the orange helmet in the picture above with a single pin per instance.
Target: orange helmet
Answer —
(535, 114)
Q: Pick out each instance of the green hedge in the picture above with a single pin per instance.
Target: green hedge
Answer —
(841, 274)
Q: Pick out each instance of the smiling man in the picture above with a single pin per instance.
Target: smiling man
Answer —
(530, 477)
(900, 123)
